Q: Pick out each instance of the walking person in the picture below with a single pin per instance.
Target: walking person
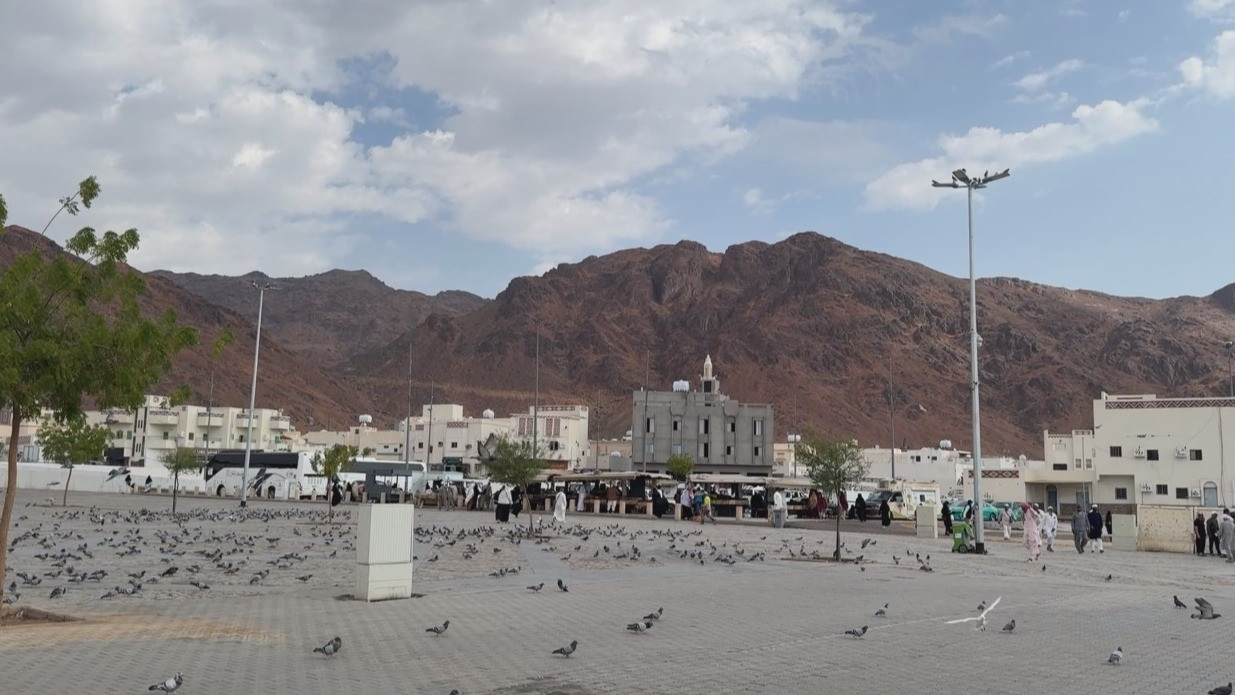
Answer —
(1211, 528)
(559, 507)
(1050, 525)
(1226, 535)
(684, 501)
(581, 499)
(1095, 524)
(1033, 540)
(1080, 529)
(969, 511)
(707, 509)
(946, 514)
(859, 507)
(1005, 521)
(885, 514)
(778, 509)
(502, 512)
(1199, 533)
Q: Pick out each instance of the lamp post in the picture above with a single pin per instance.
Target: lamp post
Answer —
(793, 448)
(257, 350)
(1230, 374)
(961, 179)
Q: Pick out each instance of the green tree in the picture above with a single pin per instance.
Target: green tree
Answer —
(70, 442)
(337, 459)
(680, 465)
(833, 466)
(181, 459)
(517, 462)
(72, 326)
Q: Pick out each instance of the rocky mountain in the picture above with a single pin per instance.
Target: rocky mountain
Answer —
(305, 391)
(330, 317)
(824, 331)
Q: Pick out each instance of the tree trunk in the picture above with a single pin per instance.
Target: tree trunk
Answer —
(839, 510)
(175, 488)
(10, 495)
(64, 502)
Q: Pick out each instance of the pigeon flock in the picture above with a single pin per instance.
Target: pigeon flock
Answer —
(202, 552)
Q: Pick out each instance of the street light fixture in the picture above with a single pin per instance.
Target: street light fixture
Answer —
(1230, 351)
(961, 179)
(257, 350)
(793, 444)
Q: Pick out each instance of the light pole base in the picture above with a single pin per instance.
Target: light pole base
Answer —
(243, 504)
(979, 548)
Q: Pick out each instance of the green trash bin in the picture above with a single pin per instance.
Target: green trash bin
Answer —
(962, 537)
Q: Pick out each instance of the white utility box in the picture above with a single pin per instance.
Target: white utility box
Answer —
(925, 521)
(384, 552)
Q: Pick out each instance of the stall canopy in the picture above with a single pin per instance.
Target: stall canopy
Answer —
(559, 477)
(773, 483)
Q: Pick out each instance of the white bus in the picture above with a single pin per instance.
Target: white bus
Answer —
(272, 474)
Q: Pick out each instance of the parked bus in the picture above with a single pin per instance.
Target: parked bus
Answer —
(272, 474)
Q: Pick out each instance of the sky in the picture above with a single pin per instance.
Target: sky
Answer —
(456, 145)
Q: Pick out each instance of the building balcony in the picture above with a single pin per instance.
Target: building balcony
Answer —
(280, 423)
(210, 420)
(1047, 475)
(160, 444)
(116, 416)
(162, 417)
(242, 420)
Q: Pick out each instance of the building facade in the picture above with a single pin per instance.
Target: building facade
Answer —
(1142, 450)
(720, 434)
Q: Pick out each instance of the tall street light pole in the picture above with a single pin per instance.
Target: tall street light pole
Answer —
(257, 351)
(1230, 373)
(961, 179)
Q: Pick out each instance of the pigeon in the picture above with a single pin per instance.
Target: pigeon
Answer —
(981, 619)
(169, 571)
(568, 649)
(857, 632)
(882, 612)
(304, 577)
(1178, 603)
(439, 629)
(536, 587)
(1010, 626)
(866, 542)
(640, 627)
(981, 606)
(1206, 610)
(330, 648)
(1221, 690)
(1116, 657)
(170, 685)
(562, 585)
(1108, 578)
(58, 592)
(655, 615)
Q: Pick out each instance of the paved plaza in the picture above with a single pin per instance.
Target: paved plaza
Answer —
(731, 624)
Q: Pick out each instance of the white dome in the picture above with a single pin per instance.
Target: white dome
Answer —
(681, 386)
(365, 419)
(487, 414)
(945, 443)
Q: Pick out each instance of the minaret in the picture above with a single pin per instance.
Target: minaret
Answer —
(709, 383)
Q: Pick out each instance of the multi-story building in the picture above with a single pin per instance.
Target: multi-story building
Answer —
(720, 434)
(140, 437)
(1142, 450)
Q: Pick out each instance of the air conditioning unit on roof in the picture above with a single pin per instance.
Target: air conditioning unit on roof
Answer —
(1181, 452)
(1146, 487)
(1194, 492)
(1139, 453)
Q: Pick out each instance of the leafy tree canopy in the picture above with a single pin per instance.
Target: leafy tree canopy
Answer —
(680, 466)
(515, 462)
(72, 441)
(832, 464)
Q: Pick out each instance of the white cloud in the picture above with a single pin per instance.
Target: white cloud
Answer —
(951, 26)
(219, 128)
(1037, 80)
(1216, 9)
(1104, 124)
(1056, 100)
(1009, 59)
(1215, 75)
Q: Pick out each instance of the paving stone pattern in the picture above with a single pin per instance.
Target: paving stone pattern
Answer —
(768, 625)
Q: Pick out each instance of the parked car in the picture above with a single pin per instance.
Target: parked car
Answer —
(990, 512)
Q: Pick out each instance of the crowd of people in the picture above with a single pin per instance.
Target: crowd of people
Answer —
(1218, 532)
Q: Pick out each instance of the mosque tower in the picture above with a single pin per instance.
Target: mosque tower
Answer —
(709, 383)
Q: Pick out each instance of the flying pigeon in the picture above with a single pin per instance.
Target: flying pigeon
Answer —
(640, 627)
(170, 685)
(1010, 626)
(882, 612)
(1178, 603)
(330, 648)
(1221, 690)
(562, 585)
(439, 629)
(536, 587)
(857, 632)
(1206, 610)
(568, 649)
(981, 619)
(1116, 657)
(655, 615)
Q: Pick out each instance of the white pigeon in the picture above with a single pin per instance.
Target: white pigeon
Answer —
(981, 619)
(1117, 656)
(170, 685)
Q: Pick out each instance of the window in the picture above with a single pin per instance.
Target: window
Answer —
(677, 425)
(1077, 464)
(733, 425)
(649, 425)
(677, 448)
(1181, 493)
(1059, 467)
(555, 445)
(1160, 490)
(455, 445)
(190, 436)
(1117, 452)
(1151, 454)
(242, 438)
(165, 436)
(1121, 493)
(1194, 454)
(703, 425)
(703, 450)
(758, 451)
(758, 428)
(420, 445)
(729, 450)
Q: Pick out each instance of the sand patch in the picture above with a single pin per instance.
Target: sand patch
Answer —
(42, 633)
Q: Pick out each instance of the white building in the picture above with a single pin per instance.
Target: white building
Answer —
(1142, 450)
(140, 437)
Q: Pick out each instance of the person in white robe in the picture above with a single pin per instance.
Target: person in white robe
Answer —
(559, 507)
